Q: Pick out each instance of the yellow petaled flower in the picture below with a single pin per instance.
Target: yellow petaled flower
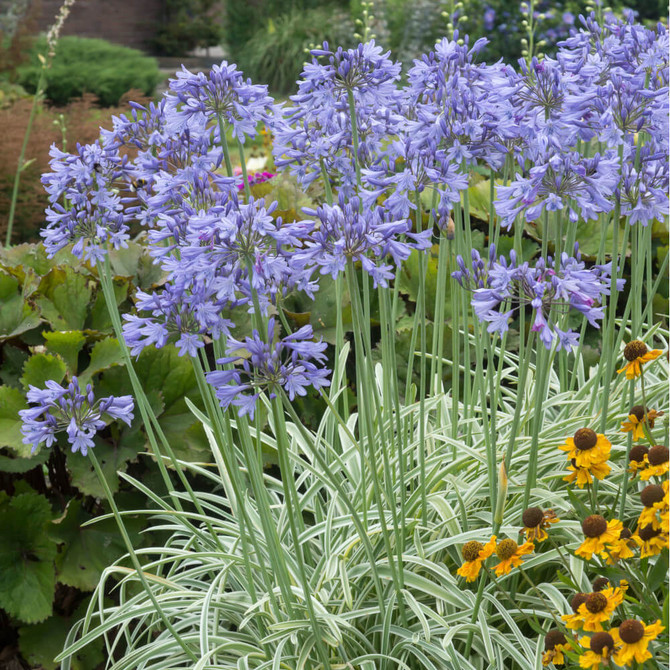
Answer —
(584, 476)
(599, 607)
(637, 458)
(652, 541)
(587, 448)
(658, 463)
(510, 553)
(555, 644)
(632, 639)
(655, 501)
(574, 621)
(474, 554)
(598, 533)
(637, 354)
(535, 520)
(601, 647)
(622, 548)
(637, 418)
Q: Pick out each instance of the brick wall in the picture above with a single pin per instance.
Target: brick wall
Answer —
(128, 22)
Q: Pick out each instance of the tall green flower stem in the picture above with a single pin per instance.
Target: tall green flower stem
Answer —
(291, 499)
(151, 425)
(22, 164)
(135, 561)
(365, 384)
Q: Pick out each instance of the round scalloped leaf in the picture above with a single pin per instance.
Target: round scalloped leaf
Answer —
(40, 368)
(67, 344)
(27, 573)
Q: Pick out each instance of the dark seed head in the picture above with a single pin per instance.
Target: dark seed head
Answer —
(631, 631)
(638, 411)
(600, 642)
(600, 583)
(637, 453)
(471, 550)
(625, 534)
(596, 602)
(651, 494)
(647, 532)
(634, 350)
(585, 439)
(658, 455)
(532, 517)
(594, 525)
(577, 601)
(552, 639)
(506, 549)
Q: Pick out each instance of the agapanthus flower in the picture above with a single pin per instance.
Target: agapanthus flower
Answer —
(550, 286)
(555, 644)
(344, 233)
(474, 554)
(658, 463)
(85, 206)
(598, 533)
(511, 555)
(632, 638)
(65, 408)
(638, 418)
(291, 364)
(637, 354)
(557, 183)
(196, 99)
(535, 521)
(599, 651)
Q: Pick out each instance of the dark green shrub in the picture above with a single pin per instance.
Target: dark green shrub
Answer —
(90, 66)
(188, 24)
(275, 55)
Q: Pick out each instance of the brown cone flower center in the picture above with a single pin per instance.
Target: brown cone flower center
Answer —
(506, 549)
(646, 533)
(631, 631)
(577, 601)
(600, 583)
(652, 494)
(638, 452)
(625, 534)
(471, 550)
(594, 525)
(585, 439)
(638, 412)
(596, 602)
(532, 517)
(634, 350)
(658, 455)
(600, 642)
(553, 638)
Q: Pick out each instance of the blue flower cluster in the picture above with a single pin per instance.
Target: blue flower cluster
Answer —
(59, 408)
(550, 288)
(575, 136)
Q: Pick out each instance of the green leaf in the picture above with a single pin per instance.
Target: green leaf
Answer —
(27, 575)
(135, 262)
(86, 550)
(105, 354)
(39, 368)
(67, 344)
(16, 315)
(65, 297)
(112, 459)
(41, 643)
(33, 256)
(99, 319)
(11, 401)
(13, 360)
(324, 309)
(21, 465)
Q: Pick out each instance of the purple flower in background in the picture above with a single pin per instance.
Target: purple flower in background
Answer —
(86, 208)
(59, 409)
(345, 233)
(550, 289)
(290, 363)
